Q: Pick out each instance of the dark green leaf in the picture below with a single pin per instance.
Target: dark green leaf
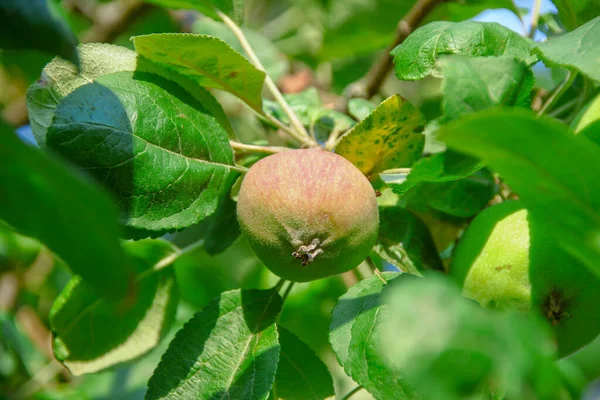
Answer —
(451, 348)
(91, 334)
(417, 56)
(207, 60)
(536, 157)
(42, 198)
(33, 25)
(355, 27)
(441, 167)
(355, 336)
(228, 350)
(60, 77)
(461, 198)
(301, 375)
(221, 229)
(162, 155)
(578, 50)
(405, 241)
(474, 84)
(390, 137)
(574, 13)
(233, 8)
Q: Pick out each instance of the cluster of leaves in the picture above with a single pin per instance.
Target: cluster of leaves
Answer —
(138, 147)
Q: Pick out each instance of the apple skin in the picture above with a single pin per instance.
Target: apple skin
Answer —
(506, 260)
(308, 214)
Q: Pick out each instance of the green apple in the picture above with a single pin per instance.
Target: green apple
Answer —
(507, 260)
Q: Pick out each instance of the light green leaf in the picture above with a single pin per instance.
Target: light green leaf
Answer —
(33, 25)
(578, 50)
(451, 348)
(416, 57)
(228, 350)
(163, 156)
(274, 61)
(355, 335)
(233, 8)
(588, 116)
(91, 334)
(441, 167)
(474, 84)
(360, 108)
(523, 150)
(207, 60)
(301, 375)
(60, 77)
(304, 104)
(390, 137)
(43, 198)
(405, 241)
(466, 9)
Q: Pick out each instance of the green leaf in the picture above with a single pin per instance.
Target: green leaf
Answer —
(564, 193)
(355, 27)
(574, 13)
(228, 350)
(43, 198)
(275, 62)
(460, 11)
(390, 137)
(233, 8)
(60, 77)
(441, 167)
(33, 25)
(417, 56)
(221, 229)
(207, 60)
(91, 334)
(355, 336)
(405, 241)
(474, 84)
(162, 155)
(304, 104)
(301, 375)
(360, 108)
(451, 348)
(578, 50)
(460, 198)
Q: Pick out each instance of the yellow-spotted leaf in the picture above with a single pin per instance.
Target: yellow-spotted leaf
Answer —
(390, 137)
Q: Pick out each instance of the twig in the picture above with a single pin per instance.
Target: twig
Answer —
(300, 132)
(369, 85)
(375, 270)
(558, 92)
(287, 292)
(251, 148)
(352, 392)
(535, 17)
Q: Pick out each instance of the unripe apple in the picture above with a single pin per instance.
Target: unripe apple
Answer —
(507, 260)
(308, 214)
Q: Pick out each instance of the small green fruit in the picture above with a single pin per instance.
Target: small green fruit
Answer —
(308, 214)
(506, 260)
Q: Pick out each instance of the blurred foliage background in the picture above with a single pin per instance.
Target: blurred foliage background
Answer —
(324, 45)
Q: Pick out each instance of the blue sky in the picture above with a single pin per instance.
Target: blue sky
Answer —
(510, 20)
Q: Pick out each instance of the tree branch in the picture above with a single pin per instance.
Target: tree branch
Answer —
(369, 85)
